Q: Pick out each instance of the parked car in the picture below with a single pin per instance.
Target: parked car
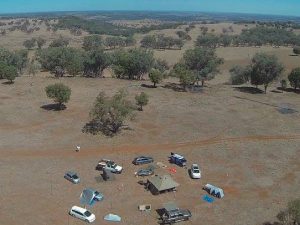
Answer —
(109, 165)
(142, 160)
(172, 214)
(82, 214)
(98, 196)
(144, 172)
(195, 171)
(72, 176)
(177, 159)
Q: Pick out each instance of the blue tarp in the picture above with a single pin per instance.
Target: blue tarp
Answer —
(208, 199)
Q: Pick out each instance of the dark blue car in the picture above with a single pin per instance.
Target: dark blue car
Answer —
(142, 160)
(177, 159)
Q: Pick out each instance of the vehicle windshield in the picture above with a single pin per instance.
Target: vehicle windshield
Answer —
(75, 176)
(111, 164)
(196, 171)
(87, 213)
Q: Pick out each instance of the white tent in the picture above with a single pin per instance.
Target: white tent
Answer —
(213, 190)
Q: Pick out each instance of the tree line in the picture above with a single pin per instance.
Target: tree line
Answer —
(161, 42)
(100, 26)
(263, 70)
(256, 36)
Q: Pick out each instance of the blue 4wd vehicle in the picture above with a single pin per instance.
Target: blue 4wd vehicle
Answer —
(177, 159)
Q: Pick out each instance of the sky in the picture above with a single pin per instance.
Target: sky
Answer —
(272, 7)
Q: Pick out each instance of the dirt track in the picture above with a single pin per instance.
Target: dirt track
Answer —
(147, 148)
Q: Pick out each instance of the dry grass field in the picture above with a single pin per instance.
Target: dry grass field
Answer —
(240, 140)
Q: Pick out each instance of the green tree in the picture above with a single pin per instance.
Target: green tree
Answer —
(96, 62)
(161, 65)
(108, 115)
(207, 40)
(59, 92)
(3, 65)
(59, 42)
(142, 100)
(92, 42)
(296, 50)
(149, 41)
(294, 78)
(29, 44)
(239, 75)
(113, 42)
(186, 76)
(156, 76)
(40, 42)
(203, 62)
(75, 62)
(133, 63)
(20, 59)
(130, 41)
(225, 40)
(9, 72)
(265, 69)
(60, 60)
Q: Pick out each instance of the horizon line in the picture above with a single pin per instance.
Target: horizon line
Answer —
(177, 11)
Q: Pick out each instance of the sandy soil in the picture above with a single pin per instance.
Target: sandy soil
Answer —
(240, 140)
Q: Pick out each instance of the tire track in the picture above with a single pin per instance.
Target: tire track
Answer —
(145, 148)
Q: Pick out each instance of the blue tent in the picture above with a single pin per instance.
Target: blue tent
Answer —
(89, 197)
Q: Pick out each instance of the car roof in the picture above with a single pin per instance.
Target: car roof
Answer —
(178, 156)
(144, 157)
(79, 209)
(71, 173)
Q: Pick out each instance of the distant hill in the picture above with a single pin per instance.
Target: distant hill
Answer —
(165, 16)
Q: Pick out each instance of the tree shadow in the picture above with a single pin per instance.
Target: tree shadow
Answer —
(269, 223)
(250, 90)
(297, 91)
(7, 83)
(147, 86)
(188, 88)
(53, 107)
(277, 92)
(99, 179)
(174, 87)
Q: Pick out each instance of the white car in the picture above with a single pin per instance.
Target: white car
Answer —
(195, 171)
(82, 214)
(109, 165)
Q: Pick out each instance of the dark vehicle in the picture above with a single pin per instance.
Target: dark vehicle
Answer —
(177, 159)
(144, 172)
(142, 160)
(172, 214)
(72, 176)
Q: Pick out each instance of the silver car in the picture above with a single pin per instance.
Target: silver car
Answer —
(72, 176)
